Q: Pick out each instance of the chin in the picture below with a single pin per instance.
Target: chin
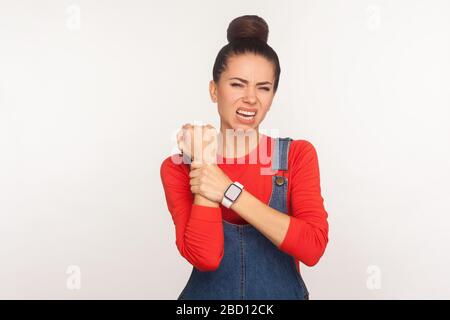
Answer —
(244, 127)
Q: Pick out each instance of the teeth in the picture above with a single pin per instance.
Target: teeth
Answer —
(247, 113)
(245, 117)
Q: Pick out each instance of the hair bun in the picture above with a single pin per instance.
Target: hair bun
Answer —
(248, 26)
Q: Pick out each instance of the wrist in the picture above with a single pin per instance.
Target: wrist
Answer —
(232, 193)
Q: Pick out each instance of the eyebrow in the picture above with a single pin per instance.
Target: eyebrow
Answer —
(245, 81)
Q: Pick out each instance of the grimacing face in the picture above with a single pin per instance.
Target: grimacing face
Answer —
(245, 88)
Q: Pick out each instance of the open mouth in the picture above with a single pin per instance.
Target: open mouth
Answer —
(246, 115)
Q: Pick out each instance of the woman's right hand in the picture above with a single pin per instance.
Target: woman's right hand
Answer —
(199, 142)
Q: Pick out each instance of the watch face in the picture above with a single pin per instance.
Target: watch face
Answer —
(233, 192)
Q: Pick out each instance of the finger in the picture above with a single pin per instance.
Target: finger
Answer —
(185, 131)
(180, 135)
(196, 164)
(210, 128)
(194, 172)
(180, 142)
(195, 189)
(194, 181)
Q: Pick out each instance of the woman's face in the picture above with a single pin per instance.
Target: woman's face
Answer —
(244, 92)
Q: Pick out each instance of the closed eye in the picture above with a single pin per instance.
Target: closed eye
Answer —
(240, 85)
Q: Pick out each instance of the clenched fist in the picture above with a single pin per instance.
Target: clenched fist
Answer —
(198, 142)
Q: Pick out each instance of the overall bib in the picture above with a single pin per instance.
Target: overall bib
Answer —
(252, 267)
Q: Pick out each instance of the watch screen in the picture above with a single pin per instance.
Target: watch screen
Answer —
(232, 192)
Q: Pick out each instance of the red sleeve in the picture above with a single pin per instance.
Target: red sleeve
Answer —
(198, 229)
(307, 235)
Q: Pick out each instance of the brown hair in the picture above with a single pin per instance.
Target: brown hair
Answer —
(246, 34)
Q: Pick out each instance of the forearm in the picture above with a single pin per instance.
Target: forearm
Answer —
(198, 223)
(201, 241)
(300, 238)
(203, 236)
(270, 222)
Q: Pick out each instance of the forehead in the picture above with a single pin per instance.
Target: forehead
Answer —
(250, 66)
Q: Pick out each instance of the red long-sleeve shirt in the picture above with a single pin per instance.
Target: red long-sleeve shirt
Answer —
(199, 229)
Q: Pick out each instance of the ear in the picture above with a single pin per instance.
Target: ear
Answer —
(213, 91)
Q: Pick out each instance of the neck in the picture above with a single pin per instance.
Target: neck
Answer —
(237, 143)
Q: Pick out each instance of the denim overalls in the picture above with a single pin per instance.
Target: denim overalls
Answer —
(252, 267)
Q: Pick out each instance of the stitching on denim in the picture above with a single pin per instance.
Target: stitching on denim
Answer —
(286, 204)
(241, 231)
(181, 296)
(300, 280)
(271, 193)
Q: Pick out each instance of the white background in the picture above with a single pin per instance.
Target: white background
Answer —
(93, 92)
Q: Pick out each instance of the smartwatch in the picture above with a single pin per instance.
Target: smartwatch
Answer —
(233, 191)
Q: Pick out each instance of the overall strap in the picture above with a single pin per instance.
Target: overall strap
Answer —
(280, 153)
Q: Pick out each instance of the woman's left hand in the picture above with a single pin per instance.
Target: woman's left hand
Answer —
(209, 181)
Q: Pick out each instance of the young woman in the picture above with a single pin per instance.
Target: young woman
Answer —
(245, 225)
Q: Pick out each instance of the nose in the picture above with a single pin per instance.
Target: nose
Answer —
(250, 95)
